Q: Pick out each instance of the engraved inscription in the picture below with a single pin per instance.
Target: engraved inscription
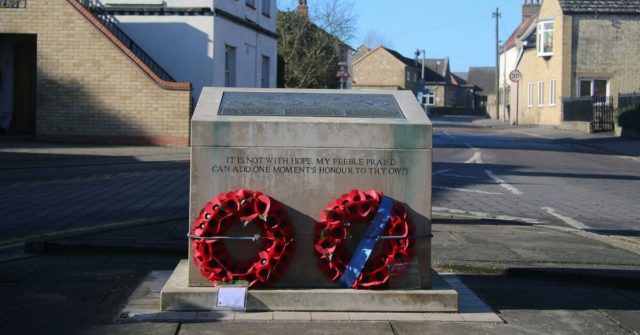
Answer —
(309, 165)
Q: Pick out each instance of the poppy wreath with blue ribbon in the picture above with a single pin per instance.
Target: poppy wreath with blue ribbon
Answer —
(242, 207)
(388, 223)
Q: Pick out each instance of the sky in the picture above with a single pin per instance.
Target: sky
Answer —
(462, 30)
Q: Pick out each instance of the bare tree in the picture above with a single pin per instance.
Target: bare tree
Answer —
(335, 17)
(374, 39)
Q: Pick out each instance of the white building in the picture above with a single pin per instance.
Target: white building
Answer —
(510, 54)
(230, 43)
(508, 59)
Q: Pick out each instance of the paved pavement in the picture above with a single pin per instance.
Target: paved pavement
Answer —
(538, 277)
(47, 188)
(605, 143)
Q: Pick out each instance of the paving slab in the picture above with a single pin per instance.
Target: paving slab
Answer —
(535, 322)
(329, 316)
(495, 246)
(288, 328)
(129, 329)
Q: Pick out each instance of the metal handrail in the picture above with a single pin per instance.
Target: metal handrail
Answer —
(110, 23)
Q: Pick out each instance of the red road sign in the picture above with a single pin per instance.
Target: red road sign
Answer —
(342, 72)
(515, 76)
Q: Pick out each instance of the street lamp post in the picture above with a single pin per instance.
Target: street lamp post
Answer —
(424, 53)
(422, 81)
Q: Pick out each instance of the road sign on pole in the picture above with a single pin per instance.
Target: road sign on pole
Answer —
(342, 71)
(515, 76)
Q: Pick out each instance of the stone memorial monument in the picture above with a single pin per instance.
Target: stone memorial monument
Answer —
(291, 163)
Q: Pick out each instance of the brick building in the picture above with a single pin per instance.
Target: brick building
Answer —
(66, 76)
(576, 48)
(383, 68)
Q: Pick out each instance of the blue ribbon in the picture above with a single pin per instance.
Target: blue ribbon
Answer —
(363, 251)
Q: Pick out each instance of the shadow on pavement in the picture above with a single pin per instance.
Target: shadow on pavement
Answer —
(547, 292)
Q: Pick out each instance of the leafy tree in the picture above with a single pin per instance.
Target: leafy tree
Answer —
(308, 52)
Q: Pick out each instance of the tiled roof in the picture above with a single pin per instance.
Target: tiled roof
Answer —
(483, 77)
(438, 65)
(430, 73)
(511, 42)
(431, 76)
(463, 75)
(457, 80)
(407, 61)
(600, 6)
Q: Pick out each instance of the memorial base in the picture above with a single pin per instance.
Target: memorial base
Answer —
(178, 296)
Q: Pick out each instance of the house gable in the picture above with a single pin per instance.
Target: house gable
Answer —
(380, 68)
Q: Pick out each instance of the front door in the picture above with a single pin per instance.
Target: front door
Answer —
(24, 93)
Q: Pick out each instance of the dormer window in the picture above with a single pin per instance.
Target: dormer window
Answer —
(545, 38)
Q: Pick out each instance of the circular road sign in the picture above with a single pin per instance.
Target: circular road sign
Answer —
(515, 76)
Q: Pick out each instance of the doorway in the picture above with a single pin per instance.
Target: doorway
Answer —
(18, 73)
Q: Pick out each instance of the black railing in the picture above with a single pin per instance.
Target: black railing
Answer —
(577, 109)
(628, 101)
(596, 110)
(602, 114)
(13, 3)
(111, 23)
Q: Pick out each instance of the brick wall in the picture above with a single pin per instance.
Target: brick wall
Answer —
(607, 47)
(536, 69)
(379, 69)
(88, 89)
(440, 93)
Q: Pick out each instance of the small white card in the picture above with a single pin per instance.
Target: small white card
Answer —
(232, 297)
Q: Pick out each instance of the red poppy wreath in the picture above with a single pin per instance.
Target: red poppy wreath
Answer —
(394, 231)
(242, 207)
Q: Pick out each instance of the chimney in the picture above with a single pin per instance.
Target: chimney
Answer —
(303, 9)
(530, 8)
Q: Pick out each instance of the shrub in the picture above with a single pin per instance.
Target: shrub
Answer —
(630, 118)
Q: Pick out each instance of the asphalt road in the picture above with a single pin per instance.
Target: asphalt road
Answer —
(524, 176)
(478, 171)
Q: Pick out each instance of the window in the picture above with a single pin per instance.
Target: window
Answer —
(431, 98)
(530, 95)
(540, 93)
(593, 87)
(415, 77)
(251, 3)
(265, 71)
(552, 92)
(229, 66)
(545, 38)
(266, 7)
(408, 76)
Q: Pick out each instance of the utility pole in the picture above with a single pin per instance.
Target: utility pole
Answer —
(497, 15)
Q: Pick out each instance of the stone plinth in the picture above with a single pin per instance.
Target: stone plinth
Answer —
(305, 148)
(178, 296)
